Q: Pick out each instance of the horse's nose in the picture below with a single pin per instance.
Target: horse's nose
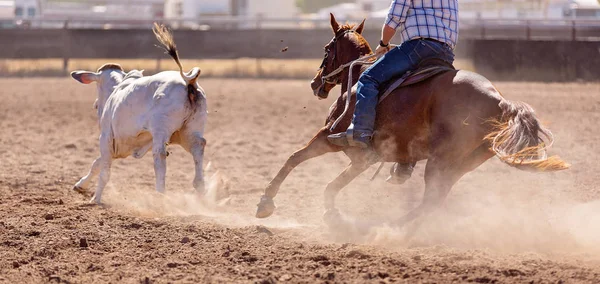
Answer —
(314, 86)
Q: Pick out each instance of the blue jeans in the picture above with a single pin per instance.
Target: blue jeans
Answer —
(396, 62)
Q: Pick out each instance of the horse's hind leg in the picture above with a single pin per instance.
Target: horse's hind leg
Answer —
(440, 175)
(316, 147)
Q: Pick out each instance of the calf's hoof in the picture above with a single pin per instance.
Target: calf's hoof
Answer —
(81, 191)
(266, 207)
(95, 201)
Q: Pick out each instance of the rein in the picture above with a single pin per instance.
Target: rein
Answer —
(365, 60)
(327, 79)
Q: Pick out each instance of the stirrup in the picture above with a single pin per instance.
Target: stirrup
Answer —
(350, 137)
(353, 143)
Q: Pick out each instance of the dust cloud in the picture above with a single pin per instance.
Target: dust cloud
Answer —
(511, 219)
(214, 205)
(507, 220)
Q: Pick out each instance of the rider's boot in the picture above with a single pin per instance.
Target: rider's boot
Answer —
(361, 129)
(361, 139)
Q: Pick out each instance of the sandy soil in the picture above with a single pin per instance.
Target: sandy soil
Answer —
(499, 225)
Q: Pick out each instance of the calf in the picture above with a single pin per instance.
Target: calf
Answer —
(138, 113)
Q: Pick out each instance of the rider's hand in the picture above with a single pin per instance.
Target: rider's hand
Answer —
(381, 50)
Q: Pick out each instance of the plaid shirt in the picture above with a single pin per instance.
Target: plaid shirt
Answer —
(435, 19)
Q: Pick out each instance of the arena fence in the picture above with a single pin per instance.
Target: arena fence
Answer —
(528, 49)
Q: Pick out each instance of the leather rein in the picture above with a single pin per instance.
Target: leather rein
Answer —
(364, 60)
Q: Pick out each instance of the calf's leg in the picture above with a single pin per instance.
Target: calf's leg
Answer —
(103, 178)
(159, 153)
(84, 183)
(194, 143)
(102, 165)
(190, 137)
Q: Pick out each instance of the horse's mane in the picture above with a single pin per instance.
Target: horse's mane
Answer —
(361, 42)
(346, 27)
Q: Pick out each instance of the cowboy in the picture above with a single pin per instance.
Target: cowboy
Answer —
(428, 30)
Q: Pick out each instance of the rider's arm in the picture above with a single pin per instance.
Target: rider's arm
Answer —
(396, 16)
(387, 33)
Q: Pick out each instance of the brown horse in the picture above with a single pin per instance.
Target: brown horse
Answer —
(456, 120)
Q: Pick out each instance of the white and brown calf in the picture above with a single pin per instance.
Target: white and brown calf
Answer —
(138, 113)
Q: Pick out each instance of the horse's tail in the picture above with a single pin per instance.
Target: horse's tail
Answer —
(518, 139)
(164, 36)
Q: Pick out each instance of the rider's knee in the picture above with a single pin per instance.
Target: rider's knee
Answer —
(368, 80)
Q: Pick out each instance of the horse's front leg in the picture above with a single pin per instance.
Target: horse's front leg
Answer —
(316, 147)
(360, 161)
(334, 187)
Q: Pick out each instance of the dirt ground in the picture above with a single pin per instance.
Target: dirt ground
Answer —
(499, 225)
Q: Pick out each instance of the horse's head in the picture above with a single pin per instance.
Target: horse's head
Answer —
(347, 45)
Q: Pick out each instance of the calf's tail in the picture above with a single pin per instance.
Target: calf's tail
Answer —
(164, 36)
(518, 140)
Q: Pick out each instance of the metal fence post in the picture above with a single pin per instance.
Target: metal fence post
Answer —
(482, 29)
(261, 40)
(66, 48)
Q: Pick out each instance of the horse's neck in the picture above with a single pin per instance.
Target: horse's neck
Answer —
(363, 50)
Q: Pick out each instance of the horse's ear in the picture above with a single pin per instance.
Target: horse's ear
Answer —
(334, 24)
(359, 29)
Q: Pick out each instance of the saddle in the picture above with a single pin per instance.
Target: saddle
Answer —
(426, 69)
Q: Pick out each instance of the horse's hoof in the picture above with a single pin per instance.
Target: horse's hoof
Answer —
(266, 207)
(332, 217)
(400, 173)
(396, 180)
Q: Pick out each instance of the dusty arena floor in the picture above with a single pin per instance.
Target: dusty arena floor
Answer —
(499, 225)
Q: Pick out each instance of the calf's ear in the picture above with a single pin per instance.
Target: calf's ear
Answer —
(84, 77)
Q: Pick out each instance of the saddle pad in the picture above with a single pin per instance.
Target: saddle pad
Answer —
(411, 78)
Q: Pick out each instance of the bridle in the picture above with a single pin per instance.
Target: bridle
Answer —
(328, 78)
